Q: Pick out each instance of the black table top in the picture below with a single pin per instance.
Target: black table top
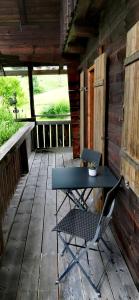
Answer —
(78, 178)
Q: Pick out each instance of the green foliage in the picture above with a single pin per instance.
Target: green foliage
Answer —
(8, 126)
(37, 87)
(60, 108)
(9, 86)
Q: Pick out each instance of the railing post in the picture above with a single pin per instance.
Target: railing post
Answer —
(69, 135)
(63, 135)
(50, 134)
(37, 130)
(44, 135)
(56, 135)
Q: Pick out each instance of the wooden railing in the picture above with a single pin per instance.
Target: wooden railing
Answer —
(67, 10)
(13, 163)
(53, 134)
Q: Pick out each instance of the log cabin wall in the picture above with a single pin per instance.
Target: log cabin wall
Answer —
(115, 21)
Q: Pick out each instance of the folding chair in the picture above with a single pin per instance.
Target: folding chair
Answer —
(88, 226)
(76, 196)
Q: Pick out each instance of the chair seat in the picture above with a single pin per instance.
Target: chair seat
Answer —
(80, 223)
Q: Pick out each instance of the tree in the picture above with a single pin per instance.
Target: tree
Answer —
(9, 86)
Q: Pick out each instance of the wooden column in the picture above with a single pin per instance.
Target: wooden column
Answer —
(74, 97)
(32, 109)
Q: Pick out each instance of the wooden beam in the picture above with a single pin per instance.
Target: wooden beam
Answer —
(29, 50)
(14, 29)
(34, 72)
(75, 48)
(32, 109)
(42, 59)
(22, 11)
(79, 32)
(83, 31)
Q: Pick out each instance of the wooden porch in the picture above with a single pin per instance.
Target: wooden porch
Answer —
(31, 260)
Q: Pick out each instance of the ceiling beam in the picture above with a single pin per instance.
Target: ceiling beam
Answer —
(34, 72)
(28, 50)
(82, 31)
(75, 49)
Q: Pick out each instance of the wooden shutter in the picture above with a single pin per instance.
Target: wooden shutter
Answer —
(130, 131)
(81, 111)
(99, 104)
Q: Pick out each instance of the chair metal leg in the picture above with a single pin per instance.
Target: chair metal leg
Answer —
(79, 202)
(89, 279)
(70, 266)
(106, 245)
(60, 205)
(66, 244)
(75, 259)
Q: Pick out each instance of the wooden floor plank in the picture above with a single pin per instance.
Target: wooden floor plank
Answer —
(29, 276)
(48, 268)
(122, 270)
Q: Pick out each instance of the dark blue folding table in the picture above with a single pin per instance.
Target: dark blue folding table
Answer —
(76, 178)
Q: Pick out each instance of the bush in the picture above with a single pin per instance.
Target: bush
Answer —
(8, 126)
(53, 110)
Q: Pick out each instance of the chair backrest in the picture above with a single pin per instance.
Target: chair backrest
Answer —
(110, 197)
(89, 155)
(107, 210)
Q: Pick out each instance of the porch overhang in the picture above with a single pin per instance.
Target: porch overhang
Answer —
(83, 25)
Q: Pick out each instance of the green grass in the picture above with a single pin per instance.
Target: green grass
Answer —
(8, 126)
(55, 109)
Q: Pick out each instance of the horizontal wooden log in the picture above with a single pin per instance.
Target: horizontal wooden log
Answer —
(35, 72)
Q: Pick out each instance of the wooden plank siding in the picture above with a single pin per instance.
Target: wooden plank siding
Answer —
(32, 260)
(115, 21)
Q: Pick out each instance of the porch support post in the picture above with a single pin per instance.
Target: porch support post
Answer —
(32, 109)
(74, 97)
